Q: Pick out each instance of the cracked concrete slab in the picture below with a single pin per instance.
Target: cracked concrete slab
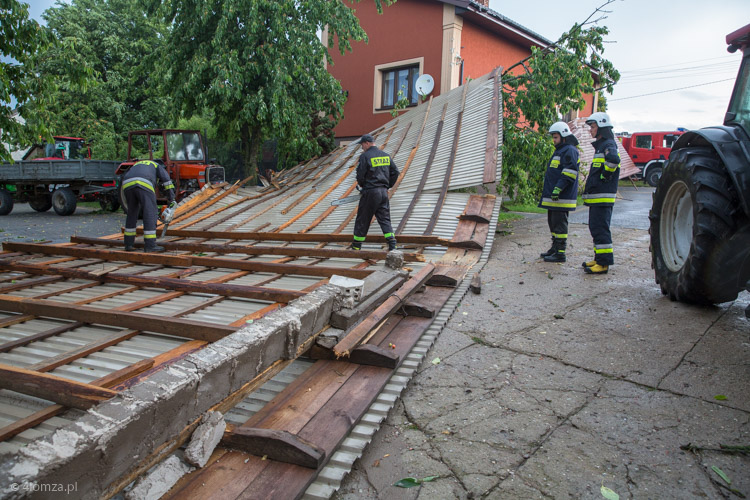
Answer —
(553, 383)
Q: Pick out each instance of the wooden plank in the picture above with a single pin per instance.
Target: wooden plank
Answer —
(449, 168)
(53, 388)
(480, 234)
(425, 173)
(391, 304)
(40, 416)
(67, 357)
(447, 275)
(326, 253)
(473, 211)
(274, 444)
(491, 148)
(188, 261)
(318, 200)
(212, 213)
(296, 237)
(226, 290)
(29, 283)
(427, 304)
(179, 327)
(13, 344)
(476, 284)
(488, 207)
(373, 355)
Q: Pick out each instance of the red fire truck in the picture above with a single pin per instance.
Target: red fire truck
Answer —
(649, 151)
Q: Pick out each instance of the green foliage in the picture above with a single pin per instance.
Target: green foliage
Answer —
(601, 103)
(258, 67)
(549, 83)
(20, 39)
(122, 45)
(401, 103)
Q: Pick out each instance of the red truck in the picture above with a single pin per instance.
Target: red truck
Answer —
(649, 151)
(184, 154)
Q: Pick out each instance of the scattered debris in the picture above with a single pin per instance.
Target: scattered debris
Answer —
(205, 438)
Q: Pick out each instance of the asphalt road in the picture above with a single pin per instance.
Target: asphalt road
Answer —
(23, 224)
(552, 384)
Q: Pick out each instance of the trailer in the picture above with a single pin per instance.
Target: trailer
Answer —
(57, 184)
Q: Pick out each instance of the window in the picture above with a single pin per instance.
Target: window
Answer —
(184, 146)
(397, 80)
(669, 140)
(643, 141)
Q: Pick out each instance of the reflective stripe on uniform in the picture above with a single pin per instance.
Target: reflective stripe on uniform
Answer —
(388, 235)
(594, 198)
(555, 162)
(168, 185)
(611, 167)
(147, 162)
(138, 181)
(149, 234)
(549, 202)
(559, 235)
(603, 248)
(570, 172)
(359, 238)
(130, 231)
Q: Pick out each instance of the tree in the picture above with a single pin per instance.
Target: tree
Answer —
(122, 46)
(257, 66)
(20, 39)
(544, 86)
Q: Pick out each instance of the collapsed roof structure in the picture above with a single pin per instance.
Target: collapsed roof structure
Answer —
(110, 360)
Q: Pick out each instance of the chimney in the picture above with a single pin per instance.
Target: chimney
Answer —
(486, 3)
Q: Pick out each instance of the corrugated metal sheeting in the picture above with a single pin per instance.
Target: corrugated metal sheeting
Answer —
(581, 131)
(299, 203)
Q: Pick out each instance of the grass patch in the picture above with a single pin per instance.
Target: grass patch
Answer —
(523, 207)
(507, 217)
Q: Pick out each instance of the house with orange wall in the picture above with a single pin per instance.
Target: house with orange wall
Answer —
(451, 40)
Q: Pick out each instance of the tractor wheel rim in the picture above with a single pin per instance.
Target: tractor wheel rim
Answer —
(676, 226)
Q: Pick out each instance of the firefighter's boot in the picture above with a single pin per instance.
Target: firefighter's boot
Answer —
(596, 269)
(590, 263)
(550, 251)
(150, 246)
(391, 243)
(129, 243)
(558, 245)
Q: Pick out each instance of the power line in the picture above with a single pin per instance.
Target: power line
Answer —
(670, 90)
(662, 66)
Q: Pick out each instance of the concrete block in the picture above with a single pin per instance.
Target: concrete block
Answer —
(380, 288)
(159, 480)
(205, 438)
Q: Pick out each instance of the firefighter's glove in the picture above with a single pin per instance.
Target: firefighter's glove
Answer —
(556, 194)
(172, 204)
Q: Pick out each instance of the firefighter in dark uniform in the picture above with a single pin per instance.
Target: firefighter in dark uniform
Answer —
(376, 173)
(600, 191)
(560, 190)
(139, 185)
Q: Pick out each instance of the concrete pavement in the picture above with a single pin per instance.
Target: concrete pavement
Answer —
(552, 383)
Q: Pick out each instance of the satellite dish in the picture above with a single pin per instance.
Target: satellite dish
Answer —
(424, 85)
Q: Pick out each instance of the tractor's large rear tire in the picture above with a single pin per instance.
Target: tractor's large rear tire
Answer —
(699, 235)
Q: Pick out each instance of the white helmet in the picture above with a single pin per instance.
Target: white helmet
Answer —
(560, 128)
(601, 119)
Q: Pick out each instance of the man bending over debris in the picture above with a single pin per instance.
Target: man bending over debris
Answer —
(376, 173)
(139, 185)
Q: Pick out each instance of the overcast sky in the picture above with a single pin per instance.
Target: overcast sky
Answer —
(656, 45)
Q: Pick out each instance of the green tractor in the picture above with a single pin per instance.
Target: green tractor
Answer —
(700, 218)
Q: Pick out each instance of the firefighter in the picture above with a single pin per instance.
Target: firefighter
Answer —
(600, 191)
(560, 189)
(376, 173)
(139, 186)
